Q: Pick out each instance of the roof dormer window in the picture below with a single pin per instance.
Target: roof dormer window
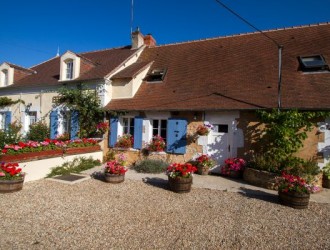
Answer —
(69, 69)
(313, 63)
(5, 77)
(156, 75)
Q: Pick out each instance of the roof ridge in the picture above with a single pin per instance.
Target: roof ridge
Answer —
(101, 50)
(242, 34)
(20, 67)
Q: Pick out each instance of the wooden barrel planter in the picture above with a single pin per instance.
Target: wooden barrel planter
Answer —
(114, 178)
(179, 184)
(8, 186)
(294, 199)
(260, 178)
(325, 182)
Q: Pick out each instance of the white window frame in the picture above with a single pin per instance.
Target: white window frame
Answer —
(121, 128)
(159, 128)
(2, 120)
(69, 69)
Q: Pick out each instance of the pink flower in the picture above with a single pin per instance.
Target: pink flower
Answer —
(2, 174)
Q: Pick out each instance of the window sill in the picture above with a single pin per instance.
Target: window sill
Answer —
(158, 153)
(126, 149)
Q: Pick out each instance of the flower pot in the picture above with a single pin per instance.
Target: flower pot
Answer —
(202, 170)
(294, 199)
(235, 174)
(8, 186)
(81, 150)
(179, 184)
(114, 178)
(260, 178)
(325, 182)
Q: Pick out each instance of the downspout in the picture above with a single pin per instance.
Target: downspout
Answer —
(279, 101)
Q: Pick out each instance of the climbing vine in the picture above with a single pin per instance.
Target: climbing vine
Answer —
(5, 101)
(87, 103)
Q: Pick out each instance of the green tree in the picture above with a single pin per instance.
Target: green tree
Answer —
(5, 101)
(87, 103)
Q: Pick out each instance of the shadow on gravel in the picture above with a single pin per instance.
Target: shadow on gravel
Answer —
(260, 195)
(156, 182)
(98, 175)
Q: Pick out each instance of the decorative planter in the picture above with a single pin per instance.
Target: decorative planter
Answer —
(325, 182)
(203, 170)
(179, 184)
(260, 178)
(81, 150)
(30, 156)
(8, 186)
(114, 178)
(294, 199)
(235, 174)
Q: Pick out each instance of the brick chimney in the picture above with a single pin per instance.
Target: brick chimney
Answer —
(149, 40)
(137, 39)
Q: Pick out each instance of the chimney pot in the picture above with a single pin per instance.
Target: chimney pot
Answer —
(149, 40)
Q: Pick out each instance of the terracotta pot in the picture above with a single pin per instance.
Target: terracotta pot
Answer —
(8, 186)
(294, 199)
(114, 178)
(81, 150)
(203, 170)
(30, 156)
(179, 184)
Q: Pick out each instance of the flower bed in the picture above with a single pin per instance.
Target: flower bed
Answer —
(30, 151)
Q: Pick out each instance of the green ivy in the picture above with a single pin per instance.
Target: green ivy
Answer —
(87, 103)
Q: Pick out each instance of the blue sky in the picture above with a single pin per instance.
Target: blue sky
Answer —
(32, 30)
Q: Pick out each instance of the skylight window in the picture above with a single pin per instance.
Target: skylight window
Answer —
(311, 63)
(156, 75)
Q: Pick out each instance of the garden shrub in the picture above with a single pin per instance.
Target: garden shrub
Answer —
(75, 166)
(11, 135)
(264, 163)
(109, 156)
(151, 166)
(38, 131)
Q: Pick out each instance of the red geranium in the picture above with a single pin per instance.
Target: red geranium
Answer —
(114, 167)
(184, 170)
(10, 171)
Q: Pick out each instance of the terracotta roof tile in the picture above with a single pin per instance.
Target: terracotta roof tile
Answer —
(131, 71)
(236, 72)
(104, 62)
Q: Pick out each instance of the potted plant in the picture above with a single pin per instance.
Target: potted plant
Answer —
(11, 177)
(125, 141)
(234, 167)
(102, 128)
(114, 171)
(180, 177)
(204, 129)
(326, 176)
(293, 191)
(203, 164)
(157, 144)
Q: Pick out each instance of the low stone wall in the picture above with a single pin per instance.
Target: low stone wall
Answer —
(38, 169)
(260, 178)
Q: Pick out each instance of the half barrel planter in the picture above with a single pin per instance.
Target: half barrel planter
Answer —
(9, 186)
(202, 170)
(294, 199)
(114, 178)
(179, 184)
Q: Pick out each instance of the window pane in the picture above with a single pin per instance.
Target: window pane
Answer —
(131, 130)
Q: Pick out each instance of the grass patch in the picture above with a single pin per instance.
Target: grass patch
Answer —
(151, 166)
(75, 166)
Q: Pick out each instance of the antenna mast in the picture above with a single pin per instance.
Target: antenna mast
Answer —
(132, 16)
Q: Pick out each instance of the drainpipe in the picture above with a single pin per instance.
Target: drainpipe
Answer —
(280, 48)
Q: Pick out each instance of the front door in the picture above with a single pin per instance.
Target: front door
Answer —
(218, 146)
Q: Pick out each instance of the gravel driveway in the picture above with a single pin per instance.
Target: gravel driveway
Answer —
(136, 215)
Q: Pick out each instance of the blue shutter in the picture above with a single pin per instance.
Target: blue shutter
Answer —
(7, 119)
(176, 136)
(74, 125)
(113, 131)
(138, 124)
(53, 124)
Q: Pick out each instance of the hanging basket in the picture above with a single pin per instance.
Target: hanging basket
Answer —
(179, 184)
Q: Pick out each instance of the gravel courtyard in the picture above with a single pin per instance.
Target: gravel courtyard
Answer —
(136, 215)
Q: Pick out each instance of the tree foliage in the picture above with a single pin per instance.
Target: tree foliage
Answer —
(87, 103)
(285, 131)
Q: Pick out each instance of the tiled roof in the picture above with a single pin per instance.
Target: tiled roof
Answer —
(236, 72)
(105, 61)
(131, 71)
